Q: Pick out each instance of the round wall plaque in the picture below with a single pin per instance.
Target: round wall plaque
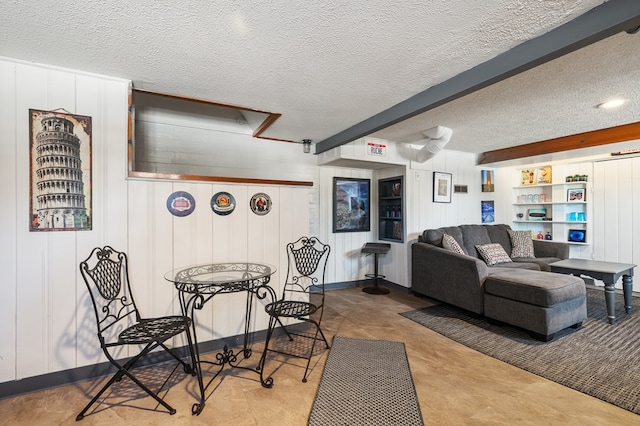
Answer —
(181, 203)
(223, 203)
(260, 203)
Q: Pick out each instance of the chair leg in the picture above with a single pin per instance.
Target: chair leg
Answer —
(187, 368)
(313, 345)
(124, 370)
(268, 382)
(284, 328)
(116, 377)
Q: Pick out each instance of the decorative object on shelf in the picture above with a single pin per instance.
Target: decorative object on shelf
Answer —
(577, 235)
(568, 179)
(544, 175)
(397, 231)
(441, 187)
(181, 203)
(540, 236)
(581, 217)
(528, 177)
(351, 205)
(396, 189)
(260, 204)
(536, 214)
(543, 197)
(487, 211)
(547, 236)
(584, 178)
(487, 180)
(576, 195)
(60, 171)
(520, 216)
(223, 203)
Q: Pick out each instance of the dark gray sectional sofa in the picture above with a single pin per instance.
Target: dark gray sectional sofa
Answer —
(522, 293)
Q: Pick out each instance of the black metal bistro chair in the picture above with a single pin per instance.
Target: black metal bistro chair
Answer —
(106, 274)
(302, 296)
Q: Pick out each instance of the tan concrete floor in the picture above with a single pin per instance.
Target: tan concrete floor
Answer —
(455, 385)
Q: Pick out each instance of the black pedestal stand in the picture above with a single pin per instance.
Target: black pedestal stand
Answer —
(376, 249)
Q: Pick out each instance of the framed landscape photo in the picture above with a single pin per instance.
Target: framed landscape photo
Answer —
(488, 211)
(575, 195)
(351, 201)
(441, 187)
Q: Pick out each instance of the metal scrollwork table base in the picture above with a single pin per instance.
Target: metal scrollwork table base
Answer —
(197, 285)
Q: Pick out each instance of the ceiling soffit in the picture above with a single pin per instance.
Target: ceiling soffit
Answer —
(245, 120)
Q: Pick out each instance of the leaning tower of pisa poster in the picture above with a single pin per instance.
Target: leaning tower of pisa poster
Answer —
(60, 171)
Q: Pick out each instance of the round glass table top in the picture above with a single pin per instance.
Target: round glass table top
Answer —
(220, 273)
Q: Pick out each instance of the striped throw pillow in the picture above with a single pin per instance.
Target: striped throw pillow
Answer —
(450, 243)
(493, 253)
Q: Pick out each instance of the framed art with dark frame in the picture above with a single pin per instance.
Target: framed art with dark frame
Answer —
(575, 195)
(351, 201)
(441, 187)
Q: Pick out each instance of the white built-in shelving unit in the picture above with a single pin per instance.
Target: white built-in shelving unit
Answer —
(556, 210)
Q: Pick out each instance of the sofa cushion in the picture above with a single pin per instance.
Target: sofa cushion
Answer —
(535, 287)
(493, 253)
(450, 243)
(542, 262)
(473, 235)
(515, 264)
(521, 243)
(434, 236)
(499, 234)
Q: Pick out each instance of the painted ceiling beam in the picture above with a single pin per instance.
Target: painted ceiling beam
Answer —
(599, 23)
(622, 133)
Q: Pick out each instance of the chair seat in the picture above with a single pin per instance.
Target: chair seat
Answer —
(154, 329)
(289, 308)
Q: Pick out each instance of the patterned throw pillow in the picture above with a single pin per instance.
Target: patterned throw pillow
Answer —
(450, 243)
(493, 253)
(521, 244)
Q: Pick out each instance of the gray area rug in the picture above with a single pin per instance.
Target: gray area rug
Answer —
(597, 359)
(366, 382)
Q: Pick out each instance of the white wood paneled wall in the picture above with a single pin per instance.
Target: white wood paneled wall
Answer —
(616, 199)
(45, 319)
(161, 242)
(463, 209)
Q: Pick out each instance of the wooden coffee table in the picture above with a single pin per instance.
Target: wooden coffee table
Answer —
(608, 272)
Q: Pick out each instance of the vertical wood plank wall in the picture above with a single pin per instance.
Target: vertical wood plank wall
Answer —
(616, 229)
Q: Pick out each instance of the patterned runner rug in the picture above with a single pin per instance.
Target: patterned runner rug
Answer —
(366, 382)
(597, 359)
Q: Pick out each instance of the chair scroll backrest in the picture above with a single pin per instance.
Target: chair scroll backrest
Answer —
(105, 272)
(307, 265)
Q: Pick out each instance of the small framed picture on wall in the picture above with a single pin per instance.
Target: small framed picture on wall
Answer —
(441, 187)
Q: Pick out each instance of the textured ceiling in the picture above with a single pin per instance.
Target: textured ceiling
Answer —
(328, 65)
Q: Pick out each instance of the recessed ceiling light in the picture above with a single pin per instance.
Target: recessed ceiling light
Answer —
(613, 103)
